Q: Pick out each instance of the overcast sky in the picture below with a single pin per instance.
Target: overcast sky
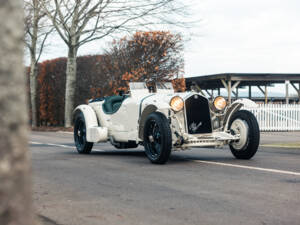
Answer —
(246, 36)
(233, 36)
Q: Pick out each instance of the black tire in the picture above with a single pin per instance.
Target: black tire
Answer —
(125, 145)
(82, 146)
(157, 128)
(251, 146)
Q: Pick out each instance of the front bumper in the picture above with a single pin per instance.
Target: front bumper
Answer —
(217, 139)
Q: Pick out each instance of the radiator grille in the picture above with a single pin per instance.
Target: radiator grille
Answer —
(197, 115)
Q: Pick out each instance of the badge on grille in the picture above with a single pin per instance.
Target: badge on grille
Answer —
(193, 126)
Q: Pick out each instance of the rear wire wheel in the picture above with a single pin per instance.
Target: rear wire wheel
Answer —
(82, 145)
(157, 138)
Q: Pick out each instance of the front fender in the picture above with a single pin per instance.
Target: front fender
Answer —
(94, 133)
(246, 102)
(164, 108)
(89, 115)
(235, 106)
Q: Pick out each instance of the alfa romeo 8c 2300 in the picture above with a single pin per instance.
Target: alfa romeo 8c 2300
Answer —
(164, 121)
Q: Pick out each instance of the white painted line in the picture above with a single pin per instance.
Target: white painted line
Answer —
(59, 145)
(65, 132)
(50, 144)
(35, 143)
(98, 150)
(249, 167)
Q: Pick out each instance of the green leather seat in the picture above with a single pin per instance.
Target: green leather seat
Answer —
(112, 103)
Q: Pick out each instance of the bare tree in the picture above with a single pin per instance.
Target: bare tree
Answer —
(36, 33)
(144, 56)
(15, 193)
(82, 21)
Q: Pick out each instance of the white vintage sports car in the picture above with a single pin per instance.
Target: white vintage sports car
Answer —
(162, 121)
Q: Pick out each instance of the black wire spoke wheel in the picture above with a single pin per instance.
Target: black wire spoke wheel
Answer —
(157, 138)
(82, 145)
(154, 138)
(81, 133)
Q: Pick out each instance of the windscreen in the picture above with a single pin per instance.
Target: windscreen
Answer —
(138, 89)
(138, 86)
(164, 86)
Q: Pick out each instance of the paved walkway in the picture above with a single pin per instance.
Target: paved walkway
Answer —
(280, 139)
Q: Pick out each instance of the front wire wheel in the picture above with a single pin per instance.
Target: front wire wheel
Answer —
(82, 145)
(245, 124)
(157, 138)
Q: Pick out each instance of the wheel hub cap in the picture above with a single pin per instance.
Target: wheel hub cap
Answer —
(240, 127)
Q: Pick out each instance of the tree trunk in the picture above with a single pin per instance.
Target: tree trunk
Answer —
(33, 65)
(33, 88)
(70, 85)
(15, 185)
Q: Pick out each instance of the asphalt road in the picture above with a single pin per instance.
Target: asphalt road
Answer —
(201, 186)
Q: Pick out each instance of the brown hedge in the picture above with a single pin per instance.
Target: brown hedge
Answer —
(103, 75)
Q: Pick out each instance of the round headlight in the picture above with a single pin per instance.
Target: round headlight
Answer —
(176, 103)
(220, 103)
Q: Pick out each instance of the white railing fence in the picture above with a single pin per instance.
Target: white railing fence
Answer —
(277, 117)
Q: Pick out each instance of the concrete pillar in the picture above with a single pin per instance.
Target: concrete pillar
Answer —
(286, 92)
(228, 87)
(297, 90)
(266, 95)
(249, 93)
(299, 94)
(229, 91)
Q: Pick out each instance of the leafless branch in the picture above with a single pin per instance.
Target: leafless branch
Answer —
(36, 28)
(79, 22)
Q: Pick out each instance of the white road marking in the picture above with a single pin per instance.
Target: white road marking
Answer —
(197, 161)
(59, 145)
(249, 167)
(35, 143)
(98, 150)
(65, 132)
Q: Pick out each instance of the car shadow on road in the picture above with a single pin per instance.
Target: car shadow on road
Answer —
(183, 158)
(136, 153)
(121, 153)
(175, 158)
